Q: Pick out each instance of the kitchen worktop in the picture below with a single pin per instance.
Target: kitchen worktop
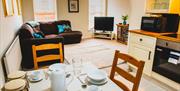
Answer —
(177, 39)
(157, 35)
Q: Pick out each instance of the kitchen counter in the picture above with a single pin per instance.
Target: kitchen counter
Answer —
(157, 35)
(152, 34)
(170, 38)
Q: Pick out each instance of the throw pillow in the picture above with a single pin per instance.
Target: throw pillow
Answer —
(60, 28)
(38, 35)
(67, 28)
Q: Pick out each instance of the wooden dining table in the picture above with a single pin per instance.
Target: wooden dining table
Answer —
(75, 84)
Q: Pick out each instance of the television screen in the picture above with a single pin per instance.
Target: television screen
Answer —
(104, 23)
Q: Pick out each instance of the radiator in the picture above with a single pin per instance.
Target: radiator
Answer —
(13, 57)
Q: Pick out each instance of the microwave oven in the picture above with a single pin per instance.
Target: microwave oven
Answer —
(164, 23)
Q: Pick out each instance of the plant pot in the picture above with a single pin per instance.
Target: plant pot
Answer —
(124, 22)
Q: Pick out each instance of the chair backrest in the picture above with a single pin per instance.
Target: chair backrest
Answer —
(48, 57)
(134, 79)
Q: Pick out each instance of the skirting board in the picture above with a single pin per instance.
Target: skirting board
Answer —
(166, 81)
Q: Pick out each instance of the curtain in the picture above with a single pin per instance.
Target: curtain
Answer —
(96, 8)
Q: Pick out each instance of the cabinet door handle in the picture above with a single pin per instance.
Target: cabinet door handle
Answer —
(140, 39)
(149, 57)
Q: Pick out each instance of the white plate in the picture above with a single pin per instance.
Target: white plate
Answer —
(97, 75)
(57, 66)
(15, 84)
(95, 82)
(17, 74)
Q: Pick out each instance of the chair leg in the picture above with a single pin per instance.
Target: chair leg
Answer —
(35, 65)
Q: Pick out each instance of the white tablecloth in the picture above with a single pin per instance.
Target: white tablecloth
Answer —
(75, 85)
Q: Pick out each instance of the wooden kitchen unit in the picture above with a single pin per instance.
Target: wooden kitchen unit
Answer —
(122, 33)
(142, 45)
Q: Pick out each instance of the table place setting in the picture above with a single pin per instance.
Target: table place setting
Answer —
(16, 81)
(77, 76)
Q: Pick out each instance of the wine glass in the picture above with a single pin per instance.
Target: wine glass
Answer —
(77, 65)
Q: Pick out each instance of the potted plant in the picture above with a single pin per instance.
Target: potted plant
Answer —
(124, 18)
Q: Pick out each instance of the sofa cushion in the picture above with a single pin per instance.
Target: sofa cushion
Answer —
(61, 22)
(48, 28)
(60, 28)
(65, 23)
(51, 36)
(72, 33)
(71, 37)
(67, 28)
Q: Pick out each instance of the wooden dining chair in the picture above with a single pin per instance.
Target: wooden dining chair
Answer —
(49, 57)
(129, 77)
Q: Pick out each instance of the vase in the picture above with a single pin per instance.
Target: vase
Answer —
(124, 22)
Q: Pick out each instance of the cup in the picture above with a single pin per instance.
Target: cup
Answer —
(35, 75)
(77, 65)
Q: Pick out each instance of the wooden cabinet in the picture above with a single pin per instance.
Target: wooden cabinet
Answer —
(122, 33)
(142, 47)
(100, 34)
(163, 6)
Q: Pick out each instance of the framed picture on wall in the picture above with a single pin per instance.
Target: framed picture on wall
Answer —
(19, 6)
(73, 6)
(8, 7)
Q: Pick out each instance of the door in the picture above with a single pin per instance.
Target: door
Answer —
(144, 54)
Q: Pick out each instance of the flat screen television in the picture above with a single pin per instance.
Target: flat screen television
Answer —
(104, 23)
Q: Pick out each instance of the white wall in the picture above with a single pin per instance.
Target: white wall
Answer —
(8, 28)
(27, 10)
(117, 8)
(137, 11)
(79, 21)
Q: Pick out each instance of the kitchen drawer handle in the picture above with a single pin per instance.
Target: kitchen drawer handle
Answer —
(149, 57)
(140, 39)
(167, 44)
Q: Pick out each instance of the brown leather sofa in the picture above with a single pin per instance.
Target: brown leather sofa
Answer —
(50, 35)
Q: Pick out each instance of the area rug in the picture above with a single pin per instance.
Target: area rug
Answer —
(97, 51)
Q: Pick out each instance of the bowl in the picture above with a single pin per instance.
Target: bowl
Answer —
(97, 75)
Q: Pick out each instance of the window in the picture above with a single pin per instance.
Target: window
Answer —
(45, 10)
(96, 8)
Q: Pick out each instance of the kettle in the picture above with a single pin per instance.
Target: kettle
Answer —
(58, 80)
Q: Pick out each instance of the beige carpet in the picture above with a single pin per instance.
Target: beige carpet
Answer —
(98, 51)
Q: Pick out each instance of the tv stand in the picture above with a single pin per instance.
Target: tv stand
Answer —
(103, 34)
